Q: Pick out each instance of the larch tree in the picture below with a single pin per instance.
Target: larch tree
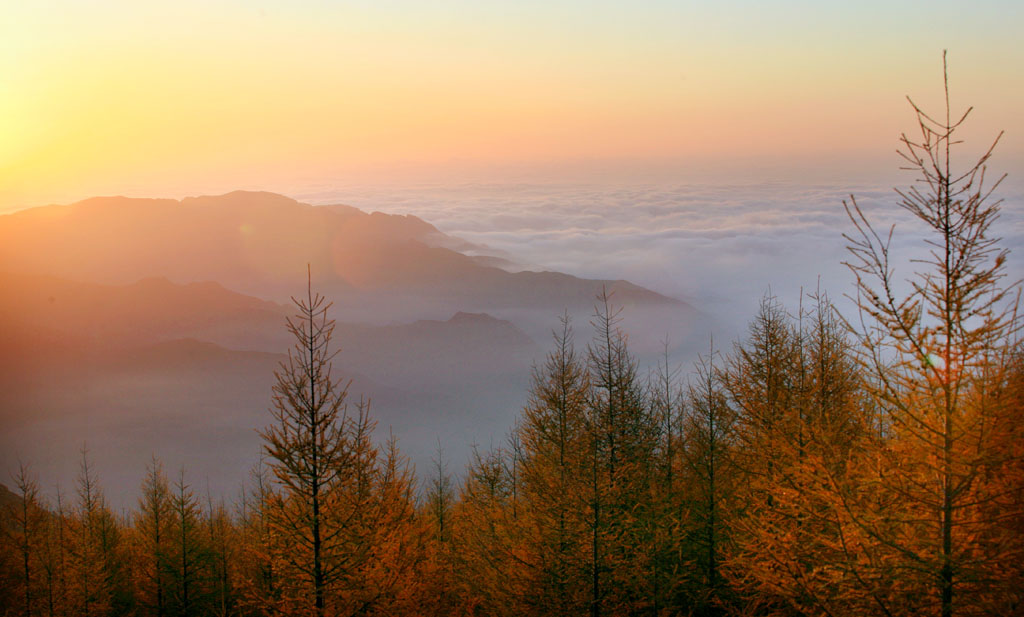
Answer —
(255, 567)
(552, 434)
(154, 540)
(308, 450)
(485, 538)
(834, 411)
(440, 497)
(221, 542)
(937, 347)
(191, 556)
(91, 596)
(794, 388)
(391, 583)
(26, 536)
(98, 583)
(356, 515)
(60, 538)
(50, 560)
(323, 515)
(1006, 510)
(438, 506)
(624, 439)
(660, 534)
(708, 428)
(760, 379)
(788, 543)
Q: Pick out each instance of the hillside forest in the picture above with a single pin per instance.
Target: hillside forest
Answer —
(827, 463)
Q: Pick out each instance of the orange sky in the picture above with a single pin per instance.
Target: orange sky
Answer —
(117, 98)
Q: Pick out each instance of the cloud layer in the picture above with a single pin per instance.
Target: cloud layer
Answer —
(719, 246)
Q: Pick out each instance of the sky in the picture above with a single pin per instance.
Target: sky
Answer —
(174, 99)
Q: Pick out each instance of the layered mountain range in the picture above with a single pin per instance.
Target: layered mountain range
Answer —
(154, 326)
(260, 244)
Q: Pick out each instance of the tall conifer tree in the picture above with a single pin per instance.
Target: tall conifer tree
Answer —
(309, 450)
(937, 354)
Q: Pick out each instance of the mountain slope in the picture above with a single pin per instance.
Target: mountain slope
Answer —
(149, 310)
(261, 243)
(130, 370)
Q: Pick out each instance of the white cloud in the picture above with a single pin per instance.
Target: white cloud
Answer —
(719, 246)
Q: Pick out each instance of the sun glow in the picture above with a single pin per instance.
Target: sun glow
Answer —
(146, 99)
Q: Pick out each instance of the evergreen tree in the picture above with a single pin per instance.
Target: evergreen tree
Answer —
(154, 540)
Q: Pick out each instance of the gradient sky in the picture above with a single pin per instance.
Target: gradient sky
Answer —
(179, 98)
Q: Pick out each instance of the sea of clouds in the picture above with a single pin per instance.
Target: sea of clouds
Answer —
(721, 247)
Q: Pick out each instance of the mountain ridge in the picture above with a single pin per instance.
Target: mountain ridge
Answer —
(260, 244)
(160, 323)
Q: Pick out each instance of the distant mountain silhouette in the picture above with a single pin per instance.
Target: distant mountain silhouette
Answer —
(149, 326)
(150, 310)
(154, 366)
(374, 265)
(41, 312)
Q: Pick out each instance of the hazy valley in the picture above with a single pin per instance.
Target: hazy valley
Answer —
(141, 327)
